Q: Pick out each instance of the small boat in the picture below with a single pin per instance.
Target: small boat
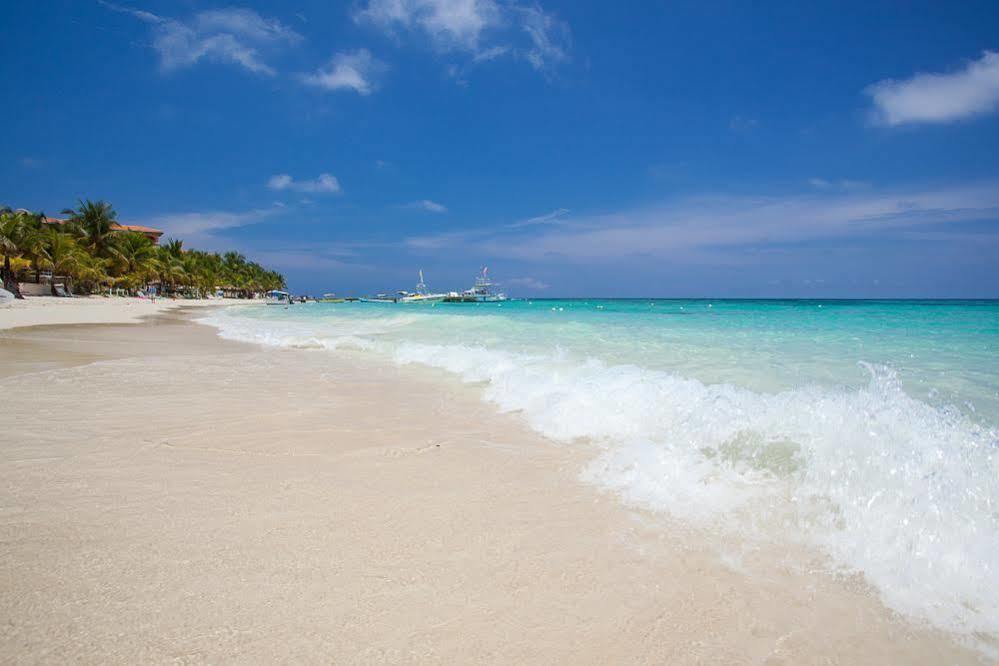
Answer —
(330, 298)
(420, 295)
(482, 292)
(276, 297)
(380, 298)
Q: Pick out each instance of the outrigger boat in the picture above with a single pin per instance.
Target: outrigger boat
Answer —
(482, 292)
(420, 295)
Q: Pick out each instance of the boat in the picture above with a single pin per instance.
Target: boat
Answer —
(330, 298)
(482, 292)
(276, 297)
(380, 298)
(420, 295)
(6, 298)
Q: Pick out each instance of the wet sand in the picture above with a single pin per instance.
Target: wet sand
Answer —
(171, 497)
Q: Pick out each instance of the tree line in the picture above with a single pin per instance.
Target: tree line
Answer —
(93, 254)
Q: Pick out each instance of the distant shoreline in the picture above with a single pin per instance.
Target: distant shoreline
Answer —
(50, 310)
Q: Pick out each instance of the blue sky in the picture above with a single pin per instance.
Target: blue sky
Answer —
(577, 148)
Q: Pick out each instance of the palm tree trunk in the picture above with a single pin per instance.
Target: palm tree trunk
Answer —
(9, 280)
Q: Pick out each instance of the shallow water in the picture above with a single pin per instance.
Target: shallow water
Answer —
(869, 429)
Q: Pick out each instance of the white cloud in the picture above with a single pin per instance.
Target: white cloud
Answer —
(355, 71)
(446, 239)
(824, 184)
(486, 29)
(938, 98)
(245, 23)
(325, 183)
(231, 36)
(709, 224)
(428, 205)
(547, 218)
(713, 226)
(200, 223)
(451, 24)
(528, 283)
(460, 237)
(491, 53)
(549, 36)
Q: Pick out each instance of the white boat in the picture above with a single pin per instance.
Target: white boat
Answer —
(420, 295)
(6, 298)
(276, 297)
(482, 292)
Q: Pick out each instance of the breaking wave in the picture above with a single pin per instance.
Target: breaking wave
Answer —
(886, 484)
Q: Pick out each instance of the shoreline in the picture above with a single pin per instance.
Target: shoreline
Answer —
(192, 498)
(53, 311)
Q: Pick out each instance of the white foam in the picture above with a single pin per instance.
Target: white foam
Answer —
(886, 484)
(890, 486)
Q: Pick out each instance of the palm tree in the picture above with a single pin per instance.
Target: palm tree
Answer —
(136, 257)
(18, 236)
(32, 239)
(171, 271)
(91, 271)
(93, 250)
(62, 253)
(94, 223)
(173, 247)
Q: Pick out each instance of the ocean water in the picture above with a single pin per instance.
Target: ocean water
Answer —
(866, 429)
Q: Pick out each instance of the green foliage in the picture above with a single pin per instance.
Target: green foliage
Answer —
(94, 224)
(93, 252)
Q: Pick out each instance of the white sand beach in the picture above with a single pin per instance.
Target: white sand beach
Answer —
(169, 497)
(45, 310)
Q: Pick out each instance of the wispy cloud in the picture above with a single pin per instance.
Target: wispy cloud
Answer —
(459, 237)
(843, 184)
(938, 98)
(429, 206)
(451, 24)
(547, 218)
(549, 36)
(711, 226)
(355, 70)
(324, 184)
(528, 282)
(230, 36)
(707, 224)
(32, 162)
(484, 29)
(195, 224)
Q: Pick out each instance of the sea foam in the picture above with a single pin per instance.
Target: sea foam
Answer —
(886, 484)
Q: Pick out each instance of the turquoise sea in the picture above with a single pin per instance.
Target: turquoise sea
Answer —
(866, 429)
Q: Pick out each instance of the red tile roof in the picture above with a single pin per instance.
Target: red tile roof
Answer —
(137, 228)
